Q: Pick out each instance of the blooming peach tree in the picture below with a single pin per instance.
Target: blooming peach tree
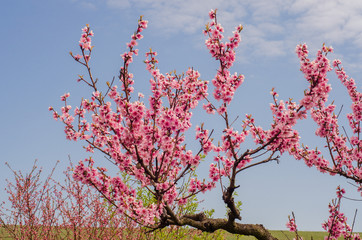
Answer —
(146, 140)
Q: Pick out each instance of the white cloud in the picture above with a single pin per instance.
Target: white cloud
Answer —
(274, 24)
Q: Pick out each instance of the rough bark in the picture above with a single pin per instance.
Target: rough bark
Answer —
(201, 222)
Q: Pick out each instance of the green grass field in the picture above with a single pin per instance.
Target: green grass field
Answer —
(219, 235)
(285, 235)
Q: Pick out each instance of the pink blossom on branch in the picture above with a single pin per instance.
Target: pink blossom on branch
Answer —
(291, 225)
(336, 225)
(345, 152)
(147, 142)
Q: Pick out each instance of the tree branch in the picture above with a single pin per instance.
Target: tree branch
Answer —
(205, 224)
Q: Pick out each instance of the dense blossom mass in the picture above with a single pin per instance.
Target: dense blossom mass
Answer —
(147, 141)
(345, 151)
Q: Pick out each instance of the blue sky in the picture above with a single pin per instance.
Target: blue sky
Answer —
(37, 35)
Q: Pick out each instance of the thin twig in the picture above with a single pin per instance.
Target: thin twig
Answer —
(347, 136)
(234, 121)
(354, 219)
(352, 199)
(340, 110)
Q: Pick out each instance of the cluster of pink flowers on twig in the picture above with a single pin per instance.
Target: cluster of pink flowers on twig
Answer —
(225, 84)
(85, 40)
(345, 151)
(292, 226)
(85, 44)
(336, 225)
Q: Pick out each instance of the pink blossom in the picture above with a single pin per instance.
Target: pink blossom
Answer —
(291, 225)
(146, 140)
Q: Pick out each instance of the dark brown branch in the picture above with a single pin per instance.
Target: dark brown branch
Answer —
(343, 174)
(270, 158)
(205, 224)
(228, 198)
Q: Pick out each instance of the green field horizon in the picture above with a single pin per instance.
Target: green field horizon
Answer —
(219, 235)
(287, 235)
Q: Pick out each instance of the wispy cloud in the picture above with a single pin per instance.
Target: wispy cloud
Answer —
(89, 5)
(272, 27)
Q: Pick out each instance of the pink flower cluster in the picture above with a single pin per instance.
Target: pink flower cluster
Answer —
(116, 190)
(85, 41)
(337, 225)
(291, 225)
(128, 56)
(345, 160)
(205, 141)
(197, 186)
(316, 74)
(355, 96)
(225, 84)
(85, 44)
